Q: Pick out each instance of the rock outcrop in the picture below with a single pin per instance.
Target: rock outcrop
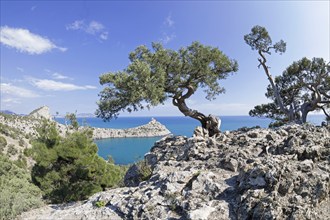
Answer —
(244, 174)
(28, 125)
(41, 113)
(152, 129)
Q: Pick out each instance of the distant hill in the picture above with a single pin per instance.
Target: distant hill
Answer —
(79, 115)
(85, 115)
(8, 112)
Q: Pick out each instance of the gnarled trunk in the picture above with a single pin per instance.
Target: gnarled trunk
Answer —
(277, 95)
(211, 123)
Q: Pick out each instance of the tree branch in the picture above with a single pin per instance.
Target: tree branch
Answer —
(189, 92)
(324, 111)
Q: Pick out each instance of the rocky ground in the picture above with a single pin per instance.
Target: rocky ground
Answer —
(245, 174)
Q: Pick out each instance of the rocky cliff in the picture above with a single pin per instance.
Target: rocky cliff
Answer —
(42, 112)
(244, 174)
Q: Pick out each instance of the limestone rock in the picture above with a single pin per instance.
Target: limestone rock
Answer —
(40, 113)
(223, 177)
(152, 129)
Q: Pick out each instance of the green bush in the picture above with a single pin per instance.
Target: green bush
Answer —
(17, 192)
(9, 131)
(11, 150)
(100, 204)
(21, 142)
(69, 169)
(3, 143)
(145, 170)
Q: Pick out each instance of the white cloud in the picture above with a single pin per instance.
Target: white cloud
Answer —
(167, 30)
(92, 28)
(51, 85)
(167, 38)
(20, 69)
(56, 75)
(60, 76)
(9, 89)
(104, 36)
(25, 41)
(76, 25)
(169, 21)
(11, 101)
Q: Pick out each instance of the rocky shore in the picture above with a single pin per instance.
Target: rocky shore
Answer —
(152, 129)
(244, 174)
(28, 124)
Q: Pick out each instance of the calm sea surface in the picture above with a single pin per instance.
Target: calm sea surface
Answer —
(130, 150)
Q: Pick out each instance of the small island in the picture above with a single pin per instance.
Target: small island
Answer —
(152, 129)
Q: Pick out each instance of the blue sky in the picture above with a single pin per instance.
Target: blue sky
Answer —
(53, 52)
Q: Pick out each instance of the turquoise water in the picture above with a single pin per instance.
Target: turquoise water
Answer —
(130, 150)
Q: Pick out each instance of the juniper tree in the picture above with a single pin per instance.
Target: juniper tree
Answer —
(302, 88)
(260, 40)
(157, 74)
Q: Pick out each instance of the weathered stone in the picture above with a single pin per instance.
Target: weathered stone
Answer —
(225, 177)
(133, 176)
(41, 113)
(200, 132)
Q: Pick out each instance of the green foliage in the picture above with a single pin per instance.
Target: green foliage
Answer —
(73, 120)
(69, 169)
(10, 131)
(155, 75)
(21, 162)
(303, 86)
(17, 192)
(144, 169)
(260, 40)
(48, 134)
(100, 204)
(11, 149)
(3, 143)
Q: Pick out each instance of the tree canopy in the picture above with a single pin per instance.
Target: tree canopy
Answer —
(302, 88)
(153, 76)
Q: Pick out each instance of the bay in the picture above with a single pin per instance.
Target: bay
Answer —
(129, 150)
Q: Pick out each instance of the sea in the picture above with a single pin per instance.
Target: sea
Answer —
(126, 151)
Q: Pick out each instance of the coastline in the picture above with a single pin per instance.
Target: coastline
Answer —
(27, 125)
(151, 129)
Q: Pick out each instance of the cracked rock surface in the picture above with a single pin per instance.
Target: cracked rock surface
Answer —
(244, 174)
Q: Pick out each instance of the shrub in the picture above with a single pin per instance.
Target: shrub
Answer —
(100, 204)
(69, 169)
(21, 142)
(17, 192)
(145, 170)
(11, 149)
(3, 143)
(21, 162)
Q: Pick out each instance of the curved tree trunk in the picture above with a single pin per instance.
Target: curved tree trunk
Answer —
(279, 100)
(304, 112)
(210, 123)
